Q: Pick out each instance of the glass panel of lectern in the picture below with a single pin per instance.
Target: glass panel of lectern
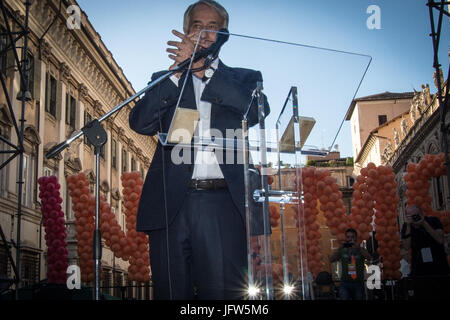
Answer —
(272, 152)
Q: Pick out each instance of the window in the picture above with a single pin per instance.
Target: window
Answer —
(4, 41)
(118, 278)
(133, 164)
(130, 289)
(71, 104)
(114, 154)
(4, 157)
(350, 181)
(106, 281)
(124, 161)
(28, 180)
(69, 214)
(29, 70)
(48, 172)
(382, 119)
(30, 267)
(5, 268)
(50, 94)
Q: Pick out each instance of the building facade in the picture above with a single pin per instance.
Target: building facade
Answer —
(423, 136)
(73, 78)
(413, 131)
(368, 113)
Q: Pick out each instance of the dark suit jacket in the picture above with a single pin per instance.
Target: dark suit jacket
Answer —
(229, 92)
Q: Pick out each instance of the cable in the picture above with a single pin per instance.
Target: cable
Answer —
(165, 199)
(354, 95)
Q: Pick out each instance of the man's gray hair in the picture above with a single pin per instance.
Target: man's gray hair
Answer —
(211, 3)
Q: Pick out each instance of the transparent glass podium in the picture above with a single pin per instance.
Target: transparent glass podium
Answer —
(273, 151)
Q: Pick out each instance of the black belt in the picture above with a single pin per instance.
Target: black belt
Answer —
(207, 184)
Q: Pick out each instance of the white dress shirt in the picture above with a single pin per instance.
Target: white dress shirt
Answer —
(205, 164)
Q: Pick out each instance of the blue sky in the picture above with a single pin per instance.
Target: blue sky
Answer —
(136, 32)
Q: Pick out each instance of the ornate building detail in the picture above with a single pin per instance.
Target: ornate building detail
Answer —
(412, 112)
(115, 194)
(387, 152)
(19, 16)
(65, 72)
(46, 50)
(90, 175)
(104, 186)
(80, 60)
(73, 163)
(396, 138)
(426, 94)
(109, 123)
(32, 135)
(121, 134)
(404, 127)
(83, 91)
(98, 110)
(419, 102)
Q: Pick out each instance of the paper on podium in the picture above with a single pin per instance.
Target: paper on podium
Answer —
(287, 143)
(183, 125)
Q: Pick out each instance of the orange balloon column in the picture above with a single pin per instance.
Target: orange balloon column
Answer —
(274, 210)
(386, 226)
(319, 187)
(331, 204)
(417, 181)
(133, 246)
(84, 208)
(139, 269)
(309, 234)
(364, 193)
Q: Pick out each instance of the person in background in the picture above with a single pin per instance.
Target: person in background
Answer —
(424, 237)
(352, 258)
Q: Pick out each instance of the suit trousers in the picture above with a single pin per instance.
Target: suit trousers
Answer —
(204, 254)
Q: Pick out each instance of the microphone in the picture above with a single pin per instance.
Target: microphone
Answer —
(212, 52)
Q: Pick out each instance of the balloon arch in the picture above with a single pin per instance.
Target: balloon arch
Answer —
(374, 208)
(375, 200)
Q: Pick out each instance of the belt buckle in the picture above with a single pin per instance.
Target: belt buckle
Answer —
(196, 184)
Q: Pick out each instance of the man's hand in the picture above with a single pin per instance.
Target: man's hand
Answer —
(183, 50)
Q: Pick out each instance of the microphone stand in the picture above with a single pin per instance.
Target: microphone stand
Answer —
(97, 136)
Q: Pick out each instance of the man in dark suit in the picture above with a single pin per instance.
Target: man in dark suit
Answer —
(194, 212)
